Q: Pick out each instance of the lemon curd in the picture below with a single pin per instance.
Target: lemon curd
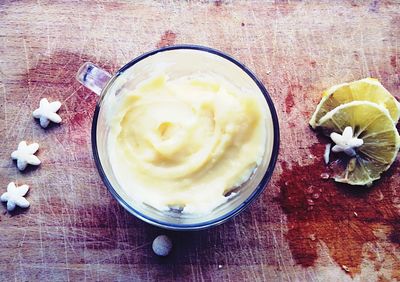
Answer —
(186, 142)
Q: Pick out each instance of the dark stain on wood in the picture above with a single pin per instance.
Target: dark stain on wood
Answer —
(342, 216)
(218, 3)
(356, 56)
(167, 39)
(395, 235)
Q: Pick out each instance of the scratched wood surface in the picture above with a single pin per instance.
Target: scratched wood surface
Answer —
(74, 230)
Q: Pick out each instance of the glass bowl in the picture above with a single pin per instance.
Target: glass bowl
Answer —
(177, 61)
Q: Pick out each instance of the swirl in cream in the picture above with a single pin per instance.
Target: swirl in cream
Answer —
(186, 142)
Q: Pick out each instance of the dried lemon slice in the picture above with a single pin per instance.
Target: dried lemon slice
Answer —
(367, 89)
(373, 124)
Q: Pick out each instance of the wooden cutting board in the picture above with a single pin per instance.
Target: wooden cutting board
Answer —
(74, 230)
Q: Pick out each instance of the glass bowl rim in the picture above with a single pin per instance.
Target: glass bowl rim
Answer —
(206, 224)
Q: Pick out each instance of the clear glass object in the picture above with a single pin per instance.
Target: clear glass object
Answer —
(176, 61)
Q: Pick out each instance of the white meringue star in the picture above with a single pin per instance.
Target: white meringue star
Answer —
(15, 196)
(25, 155)
(47, 112)
(346, 142)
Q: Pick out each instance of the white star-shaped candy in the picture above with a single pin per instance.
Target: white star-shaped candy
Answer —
(25, 155)
(346, 142)
(15, 196)
(47, 112)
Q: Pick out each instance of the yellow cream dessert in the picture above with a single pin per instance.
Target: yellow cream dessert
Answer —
(186, 142)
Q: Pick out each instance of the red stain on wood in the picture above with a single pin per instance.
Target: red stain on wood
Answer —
(54, 78)
(292, 91)
(393, 61)
(289, 101)
(342, 216)
(167, 39)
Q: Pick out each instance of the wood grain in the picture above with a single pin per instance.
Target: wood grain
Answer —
(74, 229)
